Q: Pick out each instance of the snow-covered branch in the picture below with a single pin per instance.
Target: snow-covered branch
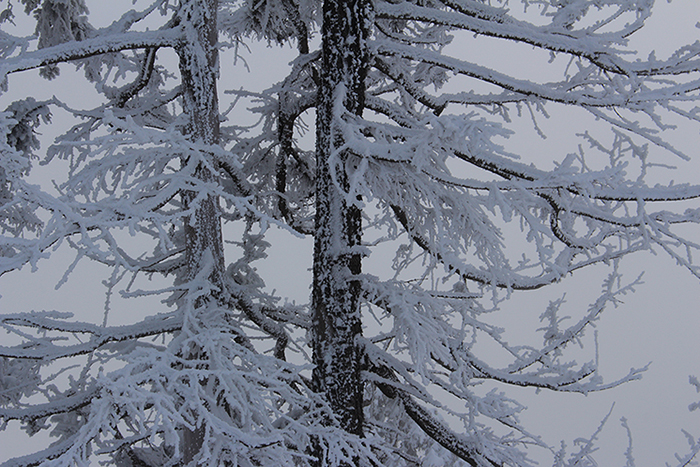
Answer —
(89, 48)
(44, 349)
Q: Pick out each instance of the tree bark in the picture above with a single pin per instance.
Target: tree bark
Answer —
(337, 262)
(199, 69)
(198, 58)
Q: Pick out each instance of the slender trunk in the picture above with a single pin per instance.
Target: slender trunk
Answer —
(199, 68)
(203, 239)
(337, 263)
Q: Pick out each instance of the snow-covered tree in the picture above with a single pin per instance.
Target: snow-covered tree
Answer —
(424, 223)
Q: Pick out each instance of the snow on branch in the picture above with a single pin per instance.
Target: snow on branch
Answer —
(593, 92)
(44, 349)
(89, 48)
(155, 181)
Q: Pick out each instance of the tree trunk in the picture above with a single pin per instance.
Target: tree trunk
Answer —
(337, 263)
(199, 70)
(203, 238)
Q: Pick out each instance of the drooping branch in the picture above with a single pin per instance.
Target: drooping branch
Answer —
(563, 93)
(437, 429)
(39, 411)
(469, 272)
(291, 103)
(142, 79)
(265, 323)
(99, 335)
(593, 47)
(436, 104)
(90, 48)
(452, 355)
(564, 263)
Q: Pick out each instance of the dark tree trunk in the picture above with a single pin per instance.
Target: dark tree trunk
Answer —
(337, 263)
(198, 67)
(203, 239)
